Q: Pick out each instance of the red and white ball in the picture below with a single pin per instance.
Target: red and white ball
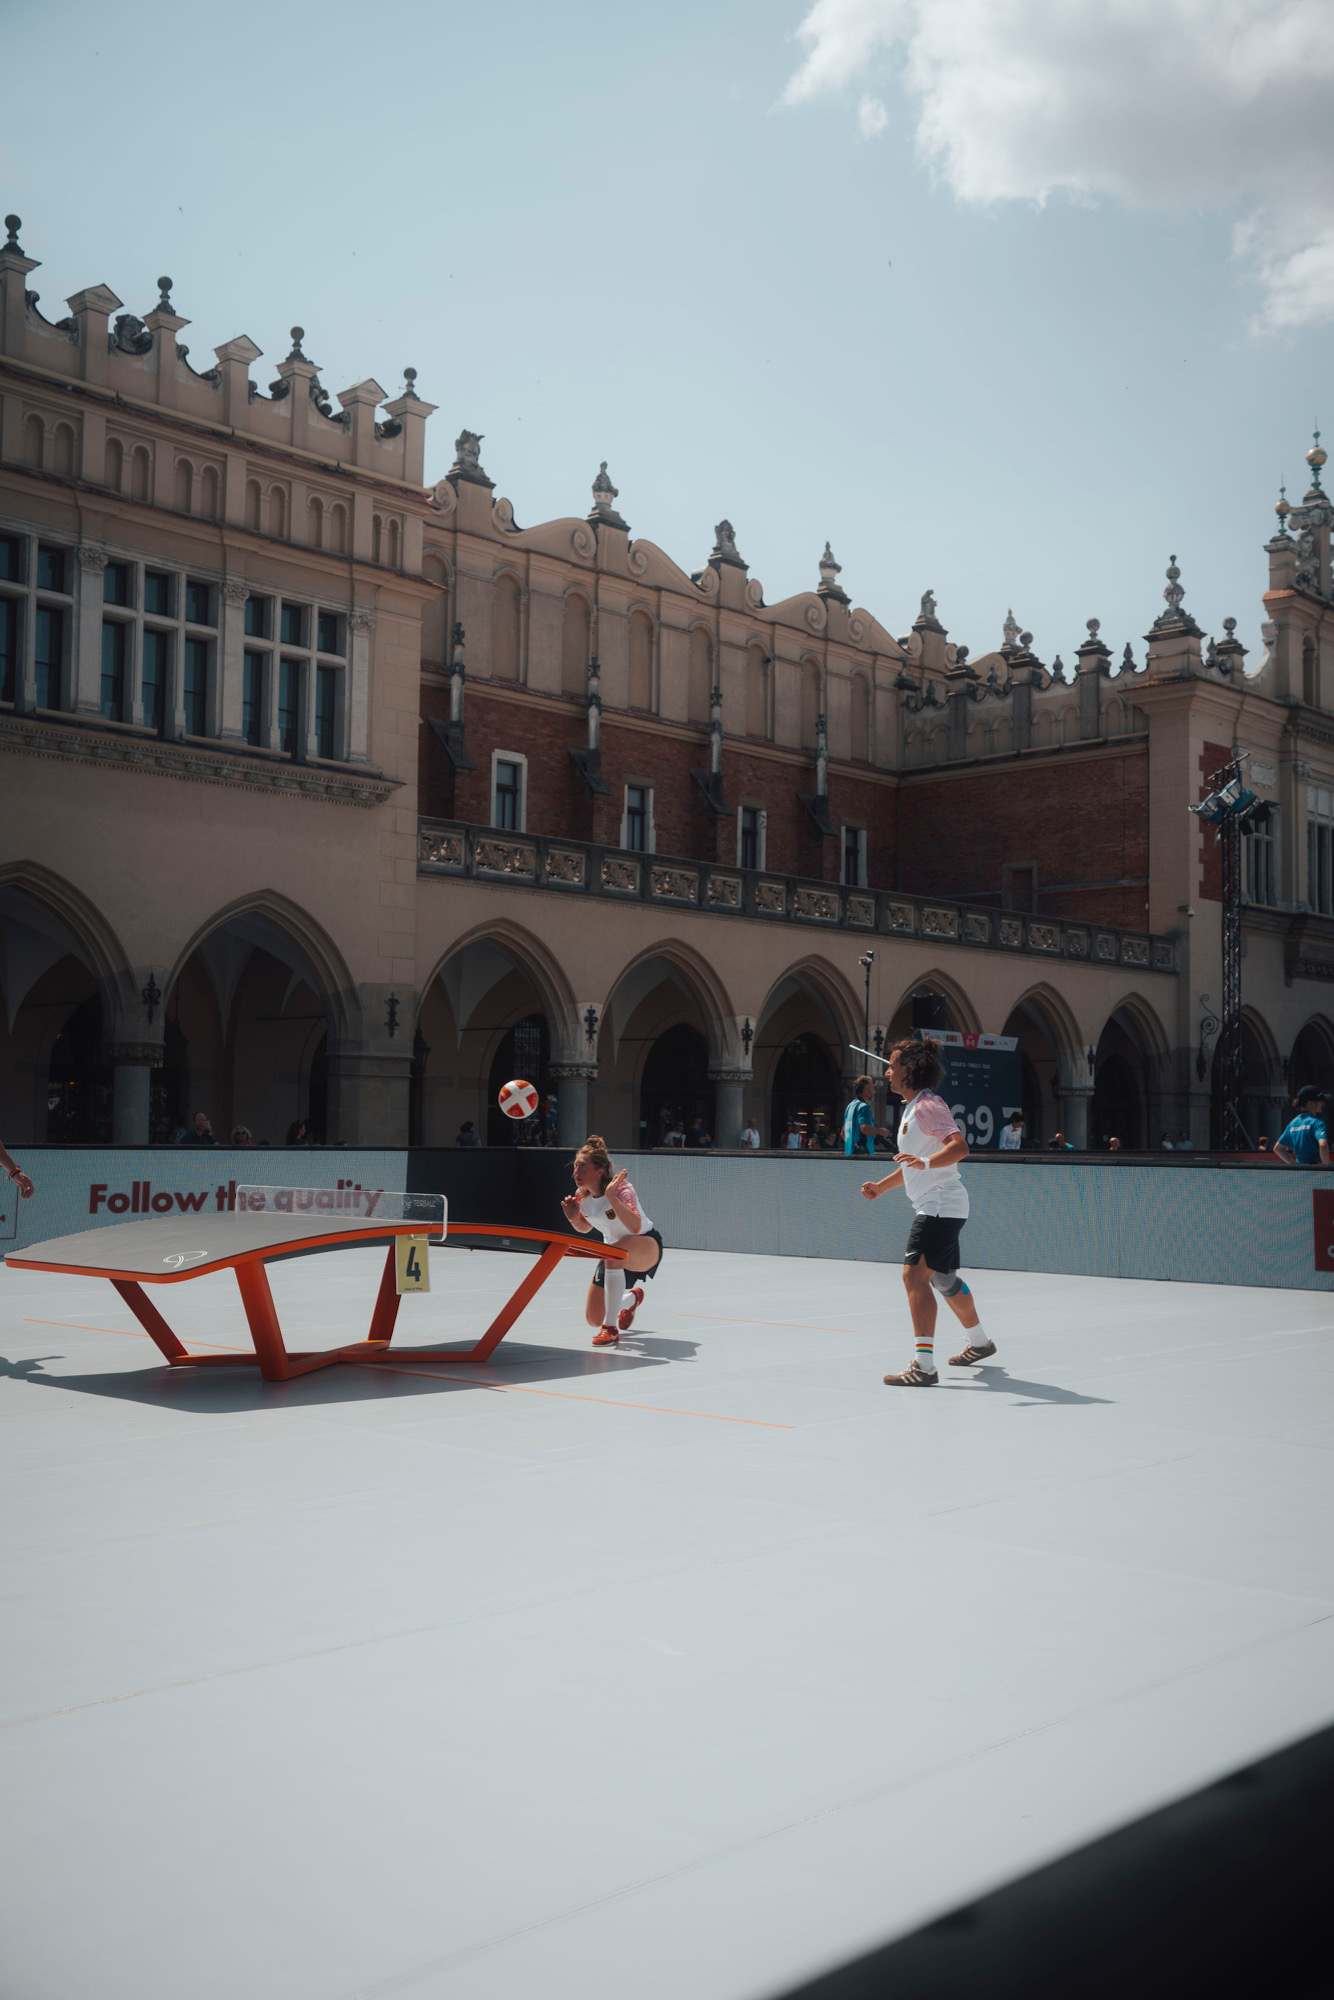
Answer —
(518, 1099)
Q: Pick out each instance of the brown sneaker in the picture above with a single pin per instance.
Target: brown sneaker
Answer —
(971, 1354)
(915, 1377)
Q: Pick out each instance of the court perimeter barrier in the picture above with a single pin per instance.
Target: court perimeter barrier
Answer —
(1079, 1216)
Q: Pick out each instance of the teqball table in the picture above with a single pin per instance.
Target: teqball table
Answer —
(268, 1223)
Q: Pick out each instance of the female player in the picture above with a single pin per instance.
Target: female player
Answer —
(605, 1201)
(930, 1146)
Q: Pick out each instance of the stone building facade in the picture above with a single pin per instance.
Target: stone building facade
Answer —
(330, 793)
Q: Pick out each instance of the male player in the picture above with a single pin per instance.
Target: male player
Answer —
(930, 1147)
(860, 1130)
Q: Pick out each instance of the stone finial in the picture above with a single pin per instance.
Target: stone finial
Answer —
(1174, 591)
(1283, 507)
(410, 384)
(928, 604)
(1315, 458)
(1127, 660)
(1094, 626)
(829, 569)
(298, 335)
(603, 490)
(1010, 629)
(1230, 627)
(164, 304)
(603, 511)
(13, 223)
(468, 450)
(724, 545)
(1025, 640)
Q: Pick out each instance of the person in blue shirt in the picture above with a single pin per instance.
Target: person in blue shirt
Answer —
(1304, 1141)
(860, 1130)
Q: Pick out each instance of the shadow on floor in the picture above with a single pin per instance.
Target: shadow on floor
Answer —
(1033, 1393)
(220, 1391)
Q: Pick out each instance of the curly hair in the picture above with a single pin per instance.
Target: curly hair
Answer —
(920, 1063)
(594, 1150)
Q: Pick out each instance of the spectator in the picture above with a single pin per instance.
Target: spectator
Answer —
(697, 1136)
(751, 1137)
(1183, 1144)
(1113, 1144)
(1262, 1144)
(467, 1136)
(241, 1136)
(298, 1133)
(792, 1139)
(831, 1139)
(860, 1130)
(200, 1133)
(1012, 1133)
(1165, 1144)
(1060, 1144)
(677, 1135)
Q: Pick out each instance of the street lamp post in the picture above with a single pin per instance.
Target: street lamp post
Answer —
(866, 961)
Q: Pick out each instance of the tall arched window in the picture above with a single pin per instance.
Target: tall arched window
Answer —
(64, 448)
(338, 531)
(141, 473)
(1310, 677)
(278, 512)
(315, 524)
(185, 485)
(757, 692)
(208, 493)
(700, 685)
(253, 505)
(861, 718)
(574, 637)
(377, 538)
(505, 630)
(114, 472)
(435, 614)
(641, 660)
(394, 536)
(34, 436)
(810, 702)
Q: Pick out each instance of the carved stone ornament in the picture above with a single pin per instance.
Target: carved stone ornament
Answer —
(361, 621)
(132, 1055)
(1011, 932)
(977, 927)
(1044, 937)
(818, 905)
(1076, 944)
(724, 545)
(622, 877)
(505, 857)
(565, 864)
(467, 458)
(677, 885)
(771, 898)
(441, 850)
(724, 892)
(234, 591)
(1134, 951)
(861, 912)
(130, 335)
(900, 917)
(91, 558)
(940, 923)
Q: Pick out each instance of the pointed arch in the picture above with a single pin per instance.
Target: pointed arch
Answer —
(701, 982)
(94, 939)
(828, 987)
(334, 982)
(1063, 1030)
(538, 965)
(960, 1006)
(1141, 1016)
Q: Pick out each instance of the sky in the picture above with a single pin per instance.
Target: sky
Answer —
(1010, 301)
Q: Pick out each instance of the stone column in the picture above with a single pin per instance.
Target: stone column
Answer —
(368, 1095)
(572, 1080)
(357, 698)
(86, 644)
(132, 1064)
(1075, 1100)
(229, 682)
(730, 1088)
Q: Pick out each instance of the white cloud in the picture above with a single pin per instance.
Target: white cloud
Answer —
(1180, 104)
(872, 117)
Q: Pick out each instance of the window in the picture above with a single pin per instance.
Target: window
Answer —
(157, 593)
(638, 818)
(326, 698)
(9, 648)
(195, 689)
(114, 636)
(507, 776)
(257, 618)
(750, 838)
(252, 696)
(50, 568)
(197, 597)
(153, 682)
(11, 558)
(289, 700)
(1320, 850)
(854, 856)
(49, 653)
(326, 637)
(1260, 858)
(116, 583)
(292, 630)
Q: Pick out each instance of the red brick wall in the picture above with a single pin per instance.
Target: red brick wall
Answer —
(1212, 756)
(1082, 821)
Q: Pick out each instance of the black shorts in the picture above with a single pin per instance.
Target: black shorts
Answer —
(934, 1240)
(600, 1275)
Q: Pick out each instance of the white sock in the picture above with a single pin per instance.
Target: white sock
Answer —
(614, 1281)
(974, 1336)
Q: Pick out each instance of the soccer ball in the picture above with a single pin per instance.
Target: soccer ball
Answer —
(518, 1099)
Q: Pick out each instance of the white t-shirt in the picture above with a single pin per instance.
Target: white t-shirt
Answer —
(750, 1137)
(1011, 1138)
(926, 1124)
(595, 1208)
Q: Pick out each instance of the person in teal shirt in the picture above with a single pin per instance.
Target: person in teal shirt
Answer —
(1304, 1141)
(860, 1130)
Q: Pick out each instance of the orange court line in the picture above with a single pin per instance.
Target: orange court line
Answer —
(519, 1388)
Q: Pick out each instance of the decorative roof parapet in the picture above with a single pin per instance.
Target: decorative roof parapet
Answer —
(828, 586)
(1174, 619)
(724, 548)
(467, 464)
(926, 619)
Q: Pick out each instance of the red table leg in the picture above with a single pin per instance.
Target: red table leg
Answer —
(504, 1319)
(386, 1302)
(253, 1283)
(149, 1318)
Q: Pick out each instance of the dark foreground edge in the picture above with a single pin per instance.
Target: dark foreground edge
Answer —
(1230, 1891)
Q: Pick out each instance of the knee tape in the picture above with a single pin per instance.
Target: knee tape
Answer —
(948, 1283)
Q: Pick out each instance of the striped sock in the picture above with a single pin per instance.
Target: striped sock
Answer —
(926, 1356)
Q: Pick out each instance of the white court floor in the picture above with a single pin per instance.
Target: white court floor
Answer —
(688, 1669)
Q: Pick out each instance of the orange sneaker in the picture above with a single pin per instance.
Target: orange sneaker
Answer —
(634, 1299)
(607, 1336)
